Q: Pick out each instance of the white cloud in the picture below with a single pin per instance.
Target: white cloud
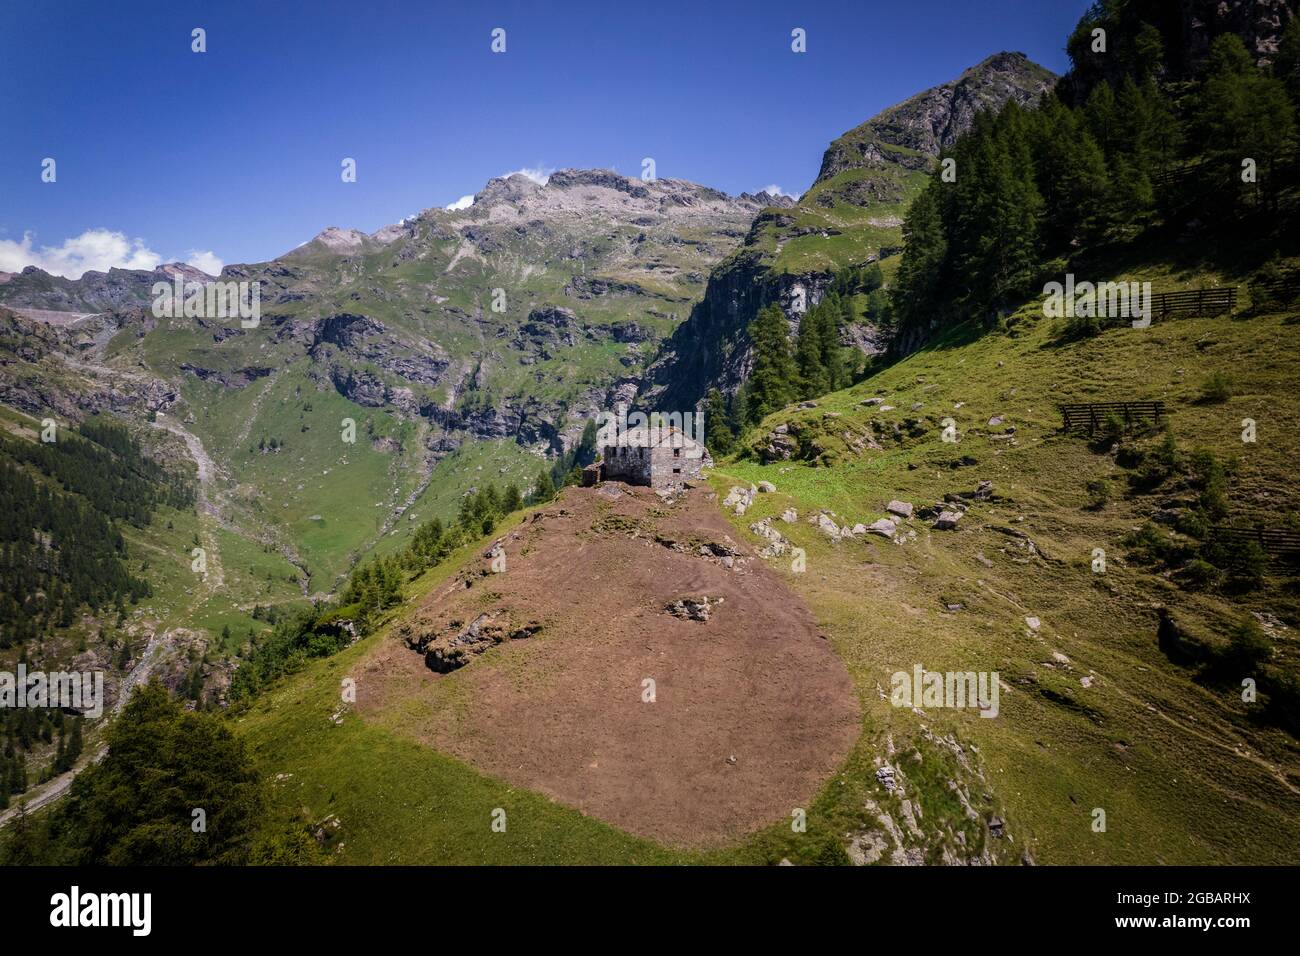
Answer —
(205, 260)
(540, 174)
(775, 190)
(98, 249)
(464, 202)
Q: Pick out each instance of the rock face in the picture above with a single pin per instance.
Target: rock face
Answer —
(932, 120)
(781, 260)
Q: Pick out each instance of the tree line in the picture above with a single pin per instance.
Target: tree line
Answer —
(60, 546)
(813, 363)
(1031, 192)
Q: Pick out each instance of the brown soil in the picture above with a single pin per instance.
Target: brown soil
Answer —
(561, 712)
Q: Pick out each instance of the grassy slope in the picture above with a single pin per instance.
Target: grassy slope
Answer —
(1183, 774)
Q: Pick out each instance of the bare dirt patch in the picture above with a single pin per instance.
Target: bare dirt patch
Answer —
(753, 709)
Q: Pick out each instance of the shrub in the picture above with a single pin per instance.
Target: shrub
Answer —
(1248, 647)
(1212, 478)
(1199, 575)
(1218, 388)
(1149, 546)
(1098, 494)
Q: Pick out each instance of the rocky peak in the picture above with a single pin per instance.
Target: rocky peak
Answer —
(338, 240)
(933, 119)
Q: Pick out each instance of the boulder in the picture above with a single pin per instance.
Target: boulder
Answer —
(901, 508)
(884, 527)
(827, 527)
(766, 487)
(947, 520)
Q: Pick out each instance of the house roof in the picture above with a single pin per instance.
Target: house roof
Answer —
(652, 436)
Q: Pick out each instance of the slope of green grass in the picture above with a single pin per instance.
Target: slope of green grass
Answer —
(1184, 769)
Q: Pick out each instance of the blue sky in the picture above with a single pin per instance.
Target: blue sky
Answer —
(236, 152)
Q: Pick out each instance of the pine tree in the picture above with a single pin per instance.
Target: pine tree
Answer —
(1071, 174)
(718, 436)
(814, 379)
(774, 378)
(1243, 114)
(544, 488)
(916, 290)
(1286, 65)
(511, 499)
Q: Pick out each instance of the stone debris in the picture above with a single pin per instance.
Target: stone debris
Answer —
(777, 543)
(886, 777)
(693, 609)
(739, 499)
(455, 646)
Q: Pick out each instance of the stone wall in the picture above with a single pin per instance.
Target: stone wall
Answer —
(626, 463)
(655, 467)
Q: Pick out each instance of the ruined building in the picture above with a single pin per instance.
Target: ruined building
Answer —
(661, 458)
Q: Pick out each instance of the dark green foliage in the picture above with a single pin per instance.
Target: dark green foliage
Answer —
(719, 436)
(567, 469)
(60, 548)
(1039, 192)
(511, 498)
(136, 806)
(1098, 494)
(1217, 388)
(543, 489)
(1243, 113)
(774, 381)
(1248, 647)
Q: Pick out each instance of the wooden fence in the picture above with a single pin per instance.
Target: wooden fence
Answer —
(1279, 291)
(1091, 416)
(1175, 305)
(1278, 543)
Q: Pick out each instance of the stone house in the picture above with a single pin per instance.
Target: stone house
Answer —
(657, 457)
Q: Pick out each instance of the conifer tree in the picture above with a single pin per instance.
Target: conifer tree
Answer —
(773, 382)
